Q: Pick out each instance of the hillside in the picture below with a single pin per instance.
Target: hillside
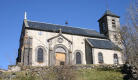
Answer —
(64, 73)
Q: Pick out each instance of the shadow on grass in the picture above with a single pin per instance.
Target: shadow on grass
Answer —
(109, 69)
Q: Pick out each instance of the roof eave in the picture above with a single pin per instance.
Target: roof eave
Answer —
(106, 48)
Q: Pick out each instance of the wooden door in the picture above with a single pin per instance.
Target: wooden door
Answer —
(60, 59)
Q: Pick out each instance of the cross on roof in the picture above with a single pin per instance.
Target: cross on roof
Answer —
(60, 29)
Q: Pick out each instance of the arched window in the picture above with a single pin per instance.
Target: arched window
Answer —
(115, 59)
(40, 55)
(100, 57)
(113, 23)
(78, 58)
(103, 26)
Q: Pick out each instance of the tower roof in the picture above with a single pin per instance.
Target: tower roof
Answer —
(109, 13)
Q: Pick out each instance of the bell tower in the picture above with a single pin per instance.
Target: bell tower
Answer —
(109, 25)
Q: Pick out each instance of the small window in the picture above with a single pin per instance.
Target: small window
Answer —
(119, 42)
(115, 37)
(40, 55)
(115, 59)
(100, 57)
(113, 23)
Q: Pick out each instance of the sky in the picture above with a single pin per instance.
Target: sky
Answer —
(78, 13)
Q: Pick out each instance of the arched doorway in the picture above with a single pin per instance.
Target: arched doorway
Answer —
(60, 50)
(60, 56)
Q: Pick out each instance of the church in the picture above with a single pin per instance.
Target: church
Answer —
(45, 44)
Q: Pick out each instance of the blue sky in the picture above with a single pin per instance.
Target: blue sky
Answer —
(78, 13)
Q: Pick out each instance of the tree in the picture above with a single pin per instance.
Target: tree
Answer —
(12, 60)
(129, 33)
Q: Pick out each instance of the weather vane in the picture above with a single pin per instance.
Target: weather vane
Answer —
(107, 6)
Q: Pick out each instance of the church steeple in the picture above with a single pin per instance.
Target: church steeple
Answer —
(109, 25)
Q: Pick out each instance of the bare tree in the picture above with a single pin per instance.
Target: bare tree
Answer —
(129, 33)
(12, 60)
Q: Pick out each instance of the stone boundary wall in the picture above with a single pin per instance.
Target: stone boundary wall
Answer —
(16, 68)
(3, 70)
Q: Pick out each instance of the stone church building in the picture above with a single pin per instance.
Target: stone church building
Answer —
(44, 44)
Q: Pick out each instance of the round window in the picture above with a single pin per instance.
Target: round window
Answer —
(60, 40)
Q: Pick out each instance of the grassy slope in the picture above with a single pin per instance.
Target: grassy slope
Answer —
(85, 74)
(102, 74)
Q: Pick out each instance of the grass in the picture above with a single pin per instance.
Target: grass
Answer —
(102, 74)
(85, 74)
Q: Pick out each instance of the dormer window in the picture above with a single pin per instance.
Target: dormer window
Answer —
(113, 23)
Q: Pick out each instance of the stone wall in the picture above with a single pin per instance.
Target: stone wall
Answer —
(14, 68)
(88, 53)
(108, 56)
(129, 71)
(3, 70)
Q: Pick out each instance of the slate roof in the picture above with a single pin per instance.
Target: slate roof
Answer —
(65, 29)
(109, 13)
(104, 44)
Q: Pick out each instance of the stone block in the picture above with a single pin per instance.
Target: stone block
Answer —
(14, 68)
